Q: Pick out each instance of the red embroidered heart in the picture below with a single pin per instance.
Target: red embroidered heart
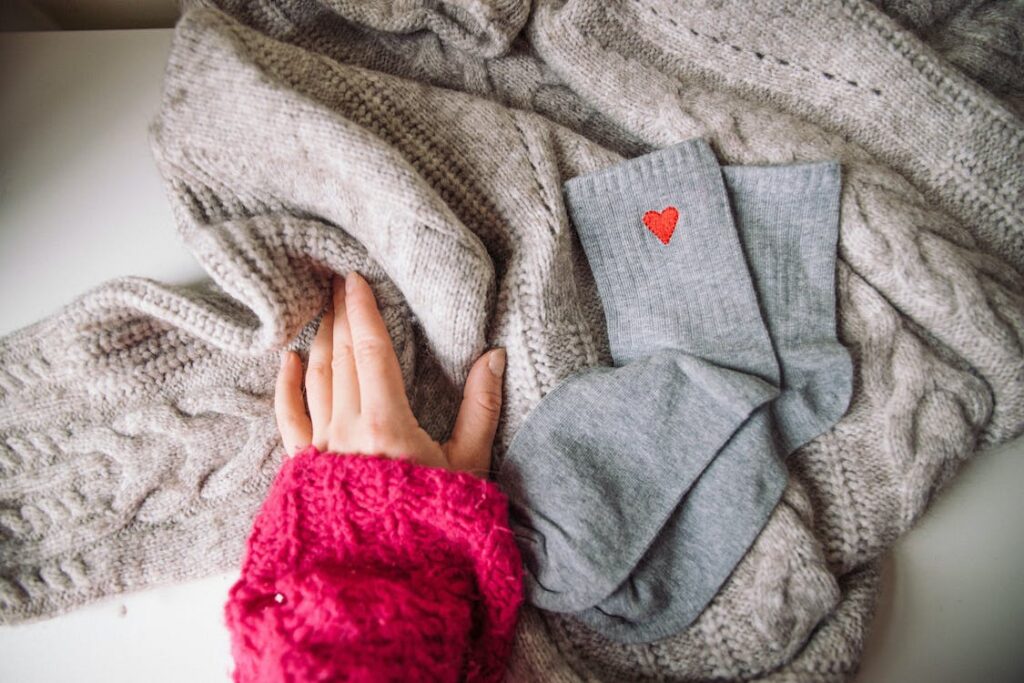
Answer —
(662, 224)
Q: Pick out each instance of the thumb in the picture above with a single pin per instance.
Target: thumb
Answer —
(469, 448)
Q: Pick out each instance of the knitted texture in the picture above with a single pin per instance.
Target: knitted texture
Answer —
(367, 568)
(981, 37)
(296, 142)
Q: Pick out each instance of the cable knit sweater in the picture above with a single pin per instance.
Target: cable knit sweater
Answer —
(425, 144)
(367, 568)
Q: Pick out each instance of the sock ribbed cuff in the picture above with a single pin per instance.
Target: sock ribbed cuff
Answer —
(659, 235)
(788, 222)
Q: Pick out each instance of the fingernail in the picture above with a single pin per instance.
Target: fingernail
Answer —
(496, 362)
(284, 357)
(350, 281)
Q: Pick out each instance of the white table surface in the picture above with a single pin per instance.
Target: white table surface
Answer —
(81, 202)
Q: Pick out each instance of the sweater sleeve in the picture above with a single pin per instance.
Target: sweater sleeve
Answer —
(367, 568)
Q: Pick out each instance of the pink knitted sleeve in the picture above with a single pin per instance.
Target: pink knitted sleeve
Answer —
(366, 568)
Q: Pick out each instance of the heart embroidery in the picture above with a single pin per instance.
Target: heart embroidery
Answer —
(662, 224)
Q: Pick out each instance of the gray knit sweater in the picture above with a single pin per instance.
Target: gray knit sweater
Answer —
(425, 144)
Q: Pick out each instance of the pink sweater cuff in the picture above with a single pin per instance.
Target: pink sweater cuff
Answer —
(370, 568)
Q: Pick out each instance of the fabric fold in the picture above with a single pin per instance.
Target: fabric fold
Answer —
(927, 297)
(601, 463)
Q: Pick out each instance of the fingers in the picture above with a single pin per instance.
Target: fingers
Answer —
(473, 435)
(345, 401)
(292, 422)
(381, 390)
(318, 380)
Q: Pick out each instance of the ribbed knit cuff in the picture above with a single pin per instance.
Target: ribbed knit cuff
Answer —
(334, 526)
(658, 232)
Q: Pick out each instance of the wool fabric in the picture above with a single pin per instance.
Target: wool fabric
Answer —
(369, 568)
(298, 139)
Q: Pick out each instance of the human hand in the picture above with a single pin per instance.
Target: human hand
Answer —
(357, 401)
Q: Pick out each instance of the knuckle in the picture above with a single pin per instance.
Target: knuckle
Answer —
(488, 402)
(375, 425)
(317, 369)
(342, 358)
(336, 434)
(378, 433)
(369, 348)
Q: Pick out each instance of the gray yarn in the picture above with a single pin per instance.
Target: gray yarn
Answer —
(136, 428)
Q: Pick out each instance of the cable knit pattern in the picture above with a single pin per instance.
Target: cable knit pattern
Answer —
(982, 37)
(367, 568)
(300, 138)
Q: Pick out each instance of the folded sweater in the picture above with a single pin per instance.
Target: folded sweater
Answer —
(367, 568)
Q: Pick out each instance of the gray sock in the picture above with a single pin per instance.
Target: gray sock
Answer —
(788, 219)
(600, 465)
(704, 539)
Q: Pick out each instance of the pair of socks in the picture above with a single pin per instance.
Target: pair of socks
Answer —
(636, 489)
